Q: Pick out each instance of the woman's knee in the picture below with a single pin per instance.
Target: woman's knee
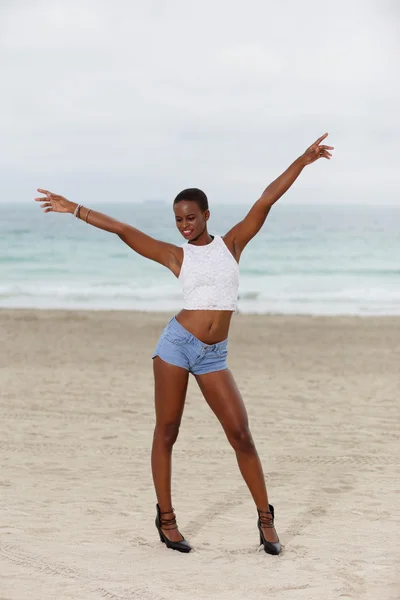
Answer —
(241, 440)
(167, 433)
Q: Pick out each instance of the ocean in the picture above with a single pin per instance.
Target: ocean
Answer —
(314, 259)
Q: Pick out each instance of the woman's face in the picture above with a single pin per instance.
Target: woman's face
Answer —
(189, 218)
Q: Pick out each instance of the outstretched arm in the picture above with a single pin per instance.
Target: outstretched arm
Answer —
(161, 252)
(240, 235)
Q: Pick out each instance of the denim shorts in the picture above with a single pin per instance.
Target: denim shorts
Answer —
(179, 347)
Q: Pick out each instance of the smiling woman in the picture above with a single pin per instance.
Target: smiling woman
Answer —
(191, 219)
(195, 341)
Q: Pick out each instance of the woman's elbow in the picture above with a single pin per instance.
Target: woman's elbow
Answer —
(121, 230)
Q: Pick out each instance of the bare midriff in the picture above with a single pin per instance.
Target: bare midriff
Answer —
(208, 326)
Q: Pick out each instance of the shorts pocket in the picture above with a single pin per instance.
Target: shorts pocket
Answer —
(222, 351)
(177, 338)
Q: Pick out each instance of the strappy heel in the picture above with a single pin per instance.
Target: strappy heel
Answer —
(266, 519)
(168, 525)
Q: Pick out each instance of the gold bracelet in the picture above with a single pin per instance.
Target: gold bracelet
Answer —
(87, 214)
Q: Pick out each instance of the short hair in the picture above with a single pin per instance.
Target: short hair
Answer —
(193, 195)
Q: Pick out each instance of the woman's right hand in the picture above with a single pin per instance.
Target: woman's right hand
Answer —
(55, 203)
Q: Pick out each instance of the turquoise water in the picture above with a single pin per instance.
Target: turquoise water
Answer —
(306, 260)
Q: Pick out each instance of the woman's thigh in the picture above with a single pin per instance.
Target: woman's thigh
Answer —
(222, 395)
(170, 385)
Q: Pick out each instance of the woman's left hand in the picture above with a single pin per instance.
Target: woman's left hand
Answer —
(316, 151)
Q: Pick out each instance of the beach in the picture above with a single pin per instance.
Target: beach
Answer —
(76, 493)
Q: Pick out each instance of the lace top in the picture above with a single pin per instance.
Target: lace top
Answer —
(209, 277)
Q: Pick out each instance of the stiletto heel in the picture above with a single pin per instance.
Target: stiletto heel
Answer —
(168, 524)
(267, 521)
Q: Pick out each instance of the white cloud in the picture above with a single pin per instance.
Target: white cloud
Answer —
(254, 58)
(214, 93)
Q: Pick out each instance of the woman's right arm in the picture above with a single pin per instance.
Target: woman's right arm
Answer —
(161, 252)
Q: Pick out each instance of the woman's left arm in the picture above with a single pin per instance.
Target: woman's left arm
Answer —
(240, 235)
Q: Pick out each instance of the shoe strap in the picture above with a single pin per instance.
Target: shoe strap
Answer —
(168, 524)
(264, 520)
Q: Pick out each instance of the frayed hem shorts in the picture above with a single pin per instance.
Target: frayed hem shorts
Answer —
(179, 347)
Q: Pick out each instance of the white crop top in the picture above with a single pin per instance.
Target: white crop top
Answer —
(209, 277)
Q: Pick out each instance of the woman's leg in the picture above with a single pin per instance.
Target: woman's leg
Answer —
(223, 397)
(170, 385)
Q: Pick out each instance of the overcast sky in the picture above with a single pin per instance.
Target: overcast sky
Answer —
(135, 100)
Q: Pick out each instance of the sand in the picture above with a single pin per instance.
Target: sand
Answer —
(76, 496)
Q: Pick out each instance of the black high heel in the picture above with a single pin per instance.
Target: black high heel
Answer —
(168, 524)
(268, 521)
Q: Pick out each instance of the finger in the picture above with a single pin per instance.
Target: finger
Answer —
(319, 140)
(46, 205)
(48, 210)
(327, 147)
(44, 191)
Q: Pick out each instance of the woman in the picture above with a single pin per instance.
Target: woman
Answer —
(195, 340)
